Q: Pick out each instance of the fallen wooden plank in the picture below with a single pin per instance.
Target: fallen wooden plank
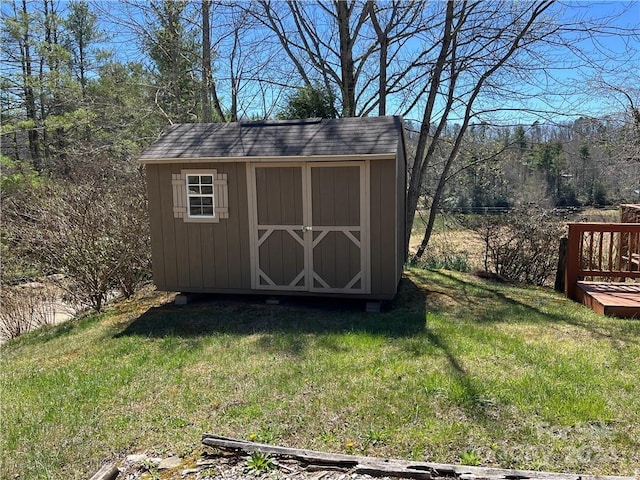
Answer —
(393, 467)
(107, 472)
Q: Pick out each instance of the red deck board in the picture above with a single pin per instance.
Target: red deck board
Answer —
(620, 299)
(614, 294)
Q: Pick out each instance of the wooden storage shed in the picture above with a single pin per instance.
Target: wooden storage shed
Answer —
(302, 207)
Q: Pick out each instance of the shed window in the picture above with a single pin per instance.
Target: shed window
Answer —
(200, 196)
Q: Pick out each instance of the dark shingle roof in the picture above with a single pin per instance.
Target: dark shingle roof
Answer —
(340, 136)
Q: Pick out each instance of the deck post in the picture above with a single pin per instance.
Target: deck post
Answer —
(571, 272)
(562, 266)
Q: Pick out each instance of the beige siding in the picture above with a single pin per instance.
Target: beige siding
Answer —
(401, 196)
(383, 224)
(335, 200)
(335, 196)
(199, 256)
(337, 260)
(279, 196)
(155, 219)
(281, 258)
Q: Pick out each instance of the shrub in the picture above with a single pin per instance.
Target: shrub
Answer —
(20, 188)
(96, 236)
(521, 245)
(453, 261)
(26, 307)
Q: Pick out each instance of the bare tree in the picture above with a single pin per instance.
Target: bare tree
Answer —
(207, 77)
(626, 96)
(209, 92)
(479, 40)
(394, 24)
(359, 49)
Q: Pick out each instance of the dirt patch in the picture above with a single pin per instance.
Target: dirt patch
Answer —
(226, 466)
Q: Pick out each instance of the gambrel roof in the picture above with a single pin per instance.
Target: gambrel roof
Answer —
(278, 138)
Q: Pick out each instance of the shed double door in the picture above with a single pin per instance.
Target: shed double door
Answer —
(309, 227)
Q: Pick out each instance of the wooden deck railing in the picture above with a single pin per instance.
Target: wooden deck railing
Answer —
(602, 252)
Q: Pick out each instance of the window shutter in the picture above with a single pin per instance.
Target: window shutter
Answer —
(220, 191)
(222, 195)
(179, 195)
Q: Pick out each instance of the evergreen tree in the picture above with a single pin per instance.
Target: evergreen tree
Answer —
(310, 102)
(82, 31)
(520, 138)
(174, 51)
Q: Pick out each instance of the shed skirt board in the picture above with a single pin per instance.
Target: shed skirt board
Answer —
(309, 227)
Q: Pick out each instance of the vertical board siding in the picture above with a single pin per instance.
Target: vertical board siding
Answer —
(279, 204)
(217, 256)
(182, 255)
(195, 254)
(223, 253)
(279, 195)
(324, 196)
(335, 202)
(168, 227)
(401, 200)
(388, 219)
(375, 227)
(155, 221)
(383, 224)
(199, 256)
(293, 262)
(239, 235)
(352, 200)
(291, 195)
(336, 259)
(336, 196)
(208, 261)
(275, 257)
(273, 198)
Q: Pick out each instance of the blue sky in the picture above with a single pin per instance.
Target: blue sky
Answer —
(574, 79)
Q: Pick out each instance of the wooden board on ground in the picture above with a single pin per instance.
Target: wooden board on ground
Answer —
(392, 467)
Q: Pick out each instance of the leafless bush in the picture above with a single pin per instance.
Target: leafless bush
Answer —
(96, 236)
(25, 308)
(521, 246)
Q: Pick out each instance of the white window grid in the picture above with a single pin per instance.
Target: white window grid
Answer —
(200, 196)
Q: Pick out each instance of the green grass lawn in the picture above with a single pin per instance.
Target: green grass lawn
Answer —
(519, 377)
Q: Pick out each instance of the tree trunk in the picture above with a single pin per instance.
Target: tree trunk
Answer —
(348, 88)
(29, 96)
(468, 113)
(206, 63)
(234, 79)
(423, 155)
(383, 42)
(173, 21)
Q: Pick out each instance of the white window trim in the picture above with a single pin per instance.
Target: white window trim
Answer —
(181, 198)
(200, 195)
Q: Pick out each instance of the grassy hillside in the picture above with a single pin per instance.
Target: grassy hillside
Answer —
(515, 377)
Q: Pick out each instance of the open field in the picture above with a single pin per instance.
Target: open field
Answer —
(521, 377)
(452, 242)
(597, 215)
